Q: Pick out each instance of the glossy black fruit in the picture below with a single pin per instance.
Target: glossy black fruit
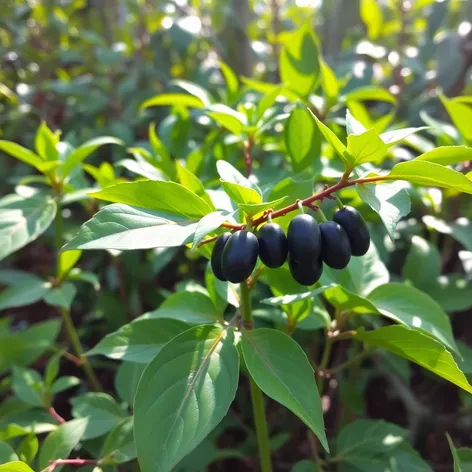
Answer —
(216, 256)
(335, 245)
(239, 256)
(305, 272)
(356, 229)
(304, 247)
(273, 246)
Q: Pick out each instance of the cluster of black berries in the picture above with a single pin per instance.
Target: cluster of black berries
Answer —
(307, 245)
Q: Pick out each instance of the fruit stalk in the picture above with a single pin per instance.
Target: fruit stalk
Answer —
(257, 399)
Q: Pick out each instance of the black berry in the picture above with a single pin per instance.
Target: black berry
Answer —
(356, 229)
(335, 246)
(273, 246)
(216, 255)
(304, 248)
(239, 256)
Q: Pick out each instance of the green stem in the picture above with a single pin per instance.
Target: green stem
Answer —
(354, 360)
(58, 231)
(257, 399)
(324, 363)
(79, 351)
(339, 203)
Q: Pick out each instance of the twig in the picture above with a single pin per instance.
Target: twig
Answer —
(247, 150)
(354, 360)
(74, 462)
(56, 415)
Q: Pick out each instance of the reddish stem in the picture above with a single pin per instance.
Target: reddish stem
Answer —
(56, 415)
(74, 462)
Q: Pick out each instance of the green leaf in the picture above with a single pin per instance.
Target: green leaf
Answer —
(390, 138)
(22, 220)
(165, 161)
(413, 308)
(62, 296)
(15, 466)
(183, 394)
(422, 255)
(82, 152)
(256, 208)
(329, 84)
(158, 196)
(67, 260)
(173, 99)
(28, 386)
(139, 341)
(305, 466)
(419, 348)
(7, 454)
(302, 140)
(267, 101)
(229, 119)
(240, 194)
(119, 446)
(353, 126)
(366, 147)
(461, 115)
(124, 227)
(23, 294)
(28, 448)
(208, 224)
(335, 142)
(45, 143)
(345, 300)
(193, 183)
(372, 16)
(296, 297)
(228, 173)
(460, 229)
(390, 201)
(430, 174)
(447, 155)
(455, 455)
(300, 60)
(22, 154)
(100, 411)
(22, 348)
(282, 371)
(195, 90)
(364, 439)
(64, 383)
(232, 84)
(60, 443)
(371, 94)
(190, 307)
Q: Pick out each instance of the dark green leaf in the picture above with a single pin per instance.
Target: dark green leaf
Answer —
(426, 256)
(24, 293)
(62, 296)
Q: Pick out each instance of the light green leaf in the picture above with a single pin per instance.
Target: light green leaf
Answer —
(183, 394)
(335, 142)
(192, 182)
(372, 16)
(460, 229)
(15, 466)
(82, 152)
(62, 296)
(67, 260)
(371, 93)
(447, 155)
(60, 443)
(282, 371)
(302, 140)
(45, 143)
(255, 208)
(64, 383)
(23, 294)
(21, 153)
(7, 454)
(422, 255)
(208, 224)
(240, 194)
(390, 201)
(345, 300)
(165, 161)
(190, 307)
(100, 411)
(228, 173)
(413, 308)
(366, 147)
(156, 195)
(296, 297)
(329, 84)
(28, 448)
(461, 115)
(353, 126)
(419, 348)
(430, 174)
(267, 101)
(300, 60)
(393, 137)
(139, 341)
(229, 120)
(232, 84)
(119, 446)
(195, 90)
(22, 220)
(124, 227)
(173, 99)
